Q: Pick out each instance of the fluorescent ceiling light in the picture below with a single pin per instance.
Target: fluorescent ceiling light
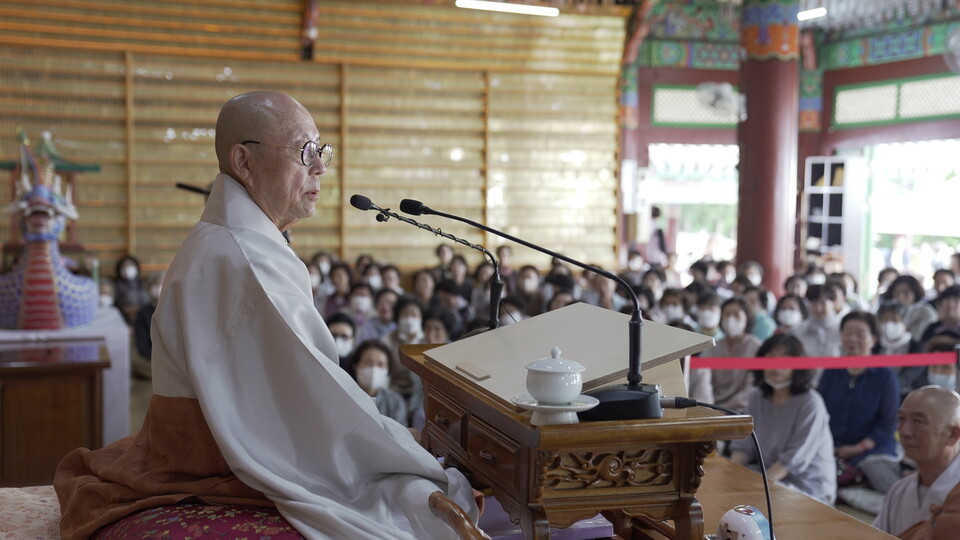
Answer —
(509, 8)
(811, 14)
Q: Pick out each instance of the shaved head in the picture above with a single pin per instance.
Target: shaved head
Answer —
(941, 404)
(251, 116)
(260, 140)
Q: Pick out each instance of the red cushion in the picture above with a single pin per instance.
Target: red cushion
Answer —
(196, 522)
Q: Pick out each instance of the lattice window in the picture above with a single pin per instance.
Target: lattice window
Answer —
(680, 106)
(866, 105)
(930, 97)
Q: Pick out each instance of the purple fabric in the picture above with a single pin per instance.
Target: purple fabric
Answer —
(495, 521)
(198, 521)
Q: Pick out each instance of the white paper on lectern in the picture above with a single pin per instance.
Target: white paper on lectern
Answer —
(595, 337)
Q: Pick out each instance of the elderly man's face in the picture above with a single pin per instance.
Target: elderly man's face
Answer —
(923, 428)
(284, 188)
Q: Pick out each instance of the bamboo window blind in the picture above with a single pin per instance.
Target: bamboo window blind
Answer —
(505, 120)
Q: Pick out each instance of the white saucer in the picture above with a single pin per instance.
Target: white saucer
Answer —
(544, 415)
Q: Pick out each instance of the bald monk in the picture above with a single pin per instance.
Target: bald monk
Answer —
(929, 428)
(250, 405)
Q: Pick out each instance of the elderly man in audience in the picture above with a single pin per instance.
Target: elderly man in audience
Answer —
(929, 428)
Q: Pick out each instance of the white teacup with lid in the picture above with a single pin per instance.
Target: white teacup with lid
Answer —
(554, 380)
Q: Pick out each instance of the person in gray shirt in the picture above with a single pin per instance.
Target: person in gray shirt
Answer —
(792, 426)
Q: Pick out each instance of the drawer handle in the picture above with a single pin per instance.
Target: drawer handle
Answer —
(442, 421)
(487, 456)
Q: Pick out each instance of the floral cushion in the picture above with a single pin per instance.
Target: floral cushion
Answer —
(30, 512)
(198, 521)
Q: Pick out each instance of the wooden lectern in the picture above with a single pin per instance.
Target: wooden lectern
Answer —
(638, 473)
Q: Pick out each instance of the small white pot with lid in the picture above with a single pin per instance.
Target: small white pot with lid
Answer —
(554, 380)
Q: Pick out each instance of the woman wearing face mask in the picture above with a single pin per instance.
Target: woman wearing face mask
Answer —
(730, 386)
(896, 339)
(917, 314)
(791, 310)
(360, 304)
(131, 291)
(409, 316)
(944, 375)
(792, 426)
(341, 278)
(371, 369)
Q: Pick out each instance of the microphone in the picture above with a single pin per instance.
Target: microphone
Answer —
(361, 202)
(618, 402)
(195, 189)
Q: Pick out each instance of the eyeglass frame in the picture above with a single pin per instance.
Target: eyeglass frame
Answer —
(303, 151)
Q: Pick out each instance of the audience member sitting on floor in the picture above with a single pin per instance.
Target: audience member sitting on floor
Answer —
(820, 332)
(862, 403)
(763, 325)
(790, 311)
(131, 291)
(383, 323)
(929, 428)
(370, 366)
(708, 315)
(731, 386)
(341, 279)
(943, 375)
(792, 426)
(895, 339)
(948, 309)
(917, 313)
(344, 331)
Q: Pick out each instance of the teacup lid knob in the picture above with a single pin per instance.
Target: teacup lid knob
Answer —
(555, 352)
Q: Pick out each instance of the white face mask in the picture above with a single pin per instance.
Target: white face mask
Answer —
(816, 279)
(409, 325)
(657, 293)
(942, 379)
(777, 385)
(734, 326)
(635, 264)
(129, 272)
(324, 268)
(789, 317)
(673, 312)
(375, 282)
(709, 318)
(314, 281)
(361, 304)
(373, 377)
(755, 279)
(344, 346)
(106, 300)
(892, 330)
(530, 285)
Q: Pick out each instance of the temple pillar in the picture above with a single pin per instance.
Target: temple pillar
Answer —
(768, 138)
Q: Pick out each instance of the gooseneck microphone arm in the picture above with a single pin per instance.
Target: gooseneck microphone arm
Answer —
(496, 286)
(634, 378)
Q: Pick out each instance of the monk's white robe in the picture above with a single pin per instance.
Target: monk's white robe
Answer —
(236, 328)
(902, 506)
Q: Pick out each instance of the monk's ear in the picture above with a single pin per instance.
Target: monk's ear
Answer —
(240, 162)
(954, 434)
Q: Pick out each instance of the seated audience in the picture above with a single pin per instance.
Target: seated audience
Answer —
(918, 315)
(796, 285)
(341, 279)
(559, 300)
(528, 290)
(792, 426)
(511, 310)
(508, 273)
(360, 304)
(458, 274)
(424, 289)
(790, 311)
(862, 403)
(451, 301)
(390, 275)
(370, 366)
(383, 323)
(602, 292)
(942, 279)
(757, 308)
(896, 339)
(708, 316)
(371, 276)
(633, 273)
(480, 297)
(697, 381)
(929, 429)
(672, 308)
(948, 310)
(131, 291)
(840, 306)
(409, 316)
(820, 332)
(441, 271)
(438, 326)
(731, 386)
(343, 330)
(943, 375)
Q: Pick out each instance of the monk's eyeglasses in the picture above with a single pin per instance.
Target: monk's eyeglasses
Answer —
(308, 153)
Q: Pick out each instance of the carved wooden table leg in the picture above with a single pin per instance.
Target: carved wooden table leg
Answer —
(622, 524)
(533, 523)
(691, 528)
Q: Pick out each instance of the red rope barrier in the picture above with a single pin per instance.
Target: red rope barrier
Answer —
(838, 362)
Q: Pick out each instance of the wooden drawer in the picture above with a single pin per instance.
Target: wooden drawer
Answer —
(449, 419)
(492, 455)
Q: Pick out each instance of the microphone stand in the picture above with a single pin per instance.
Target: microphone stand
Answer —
(496, 285)
(617, 402)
